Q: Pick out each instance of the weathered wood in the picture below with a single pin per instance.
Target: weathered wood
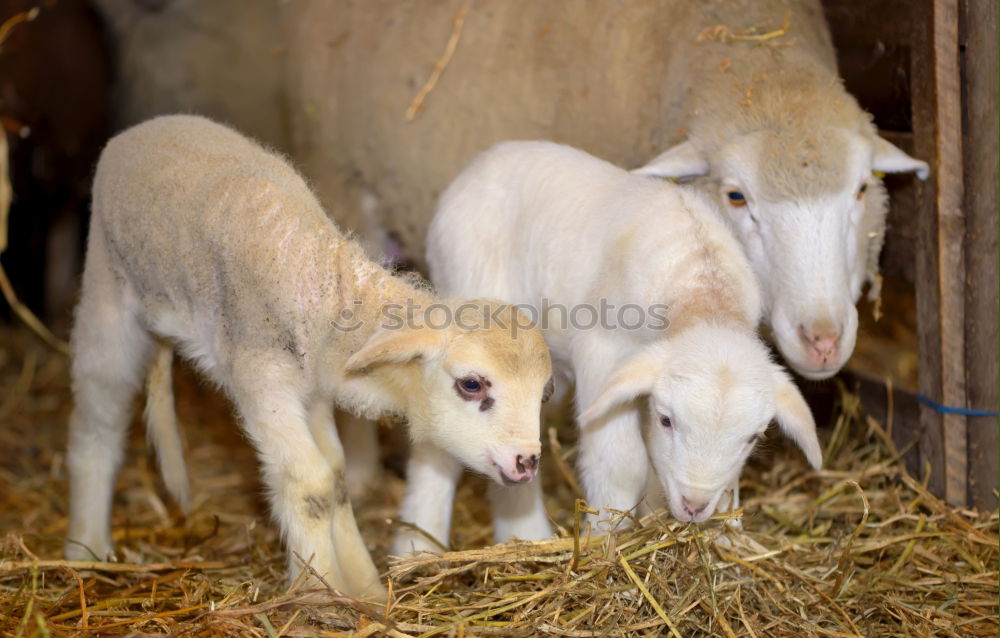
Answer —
(950, 244)
(923, 89)
(979, 84)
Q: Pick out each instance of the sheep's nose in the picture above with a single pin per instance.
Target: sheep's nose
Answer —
(527, 464)
(693, 508)
(517, 468)
(821, 344)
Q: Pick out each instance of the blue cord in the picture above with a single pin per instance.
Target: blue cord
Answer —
(950, 409)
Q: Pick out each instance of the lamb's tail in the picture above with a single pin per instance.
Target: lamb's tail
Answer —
(161, 426)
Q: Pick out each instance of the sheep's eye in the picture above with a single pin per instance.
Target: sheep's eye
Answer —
(861, 190)
(736, 199)
(665, 421)
(470, 388)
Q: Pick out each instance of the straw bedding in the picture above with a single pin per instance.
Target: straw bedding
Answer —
(858, 549)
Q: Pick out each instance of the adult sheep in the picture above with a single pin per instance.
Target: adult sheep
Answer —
(744, 94)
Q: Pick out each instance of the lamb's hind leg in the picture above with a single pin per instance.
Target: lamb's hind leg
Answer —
(360, 439)
(269, 397)
(355, 561)
(110, 352)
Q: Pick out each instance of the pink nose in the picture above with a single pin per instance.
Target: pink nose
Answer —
(522, 470)
(693, 508)
(821, 345)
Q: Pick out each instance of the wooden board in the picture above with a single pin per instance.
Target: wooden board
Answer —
(950, 243)
(931, 446)
(979, 88)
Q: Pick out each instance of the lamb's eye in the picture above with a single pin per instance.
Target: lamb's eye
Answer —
(861, 190)
(470, 388)
(665, 421)
(736, 199)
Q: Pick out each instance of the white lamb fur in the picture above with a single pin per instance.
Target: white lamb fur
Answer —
(537, 222)
(203, 240)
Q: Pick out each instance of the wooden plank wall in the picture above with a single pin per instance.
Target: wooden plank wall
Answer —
(931, 445)
(979, 97)
(943, 232)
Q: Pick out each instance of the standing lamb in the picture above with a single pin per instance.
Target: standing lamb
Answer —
(203, 239)
(751, 84)
(569, 235)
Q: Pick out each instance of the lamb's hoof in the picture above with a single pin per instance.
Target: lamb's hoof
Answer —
(409, 543)
(373, 593)
(98, 552)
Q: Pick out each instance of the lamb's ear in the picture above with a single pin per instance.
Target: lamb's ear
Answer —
(795, 419)
(396, 346)
(683, 160)
(888, 158)
(633, 379)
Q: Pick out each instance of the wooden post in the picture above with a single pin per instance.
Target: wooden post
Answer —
(937, 119)
(979, 99)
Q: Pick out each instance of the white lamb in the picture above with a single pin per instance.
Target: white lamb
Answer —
(206, 241)
(545, 225)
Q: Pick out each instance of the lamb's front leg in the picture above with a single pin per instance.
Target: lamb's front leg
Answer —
(613, 461)
(299, 481)
(519, 512)
(730, 502)
(613, 464)
(431, 477)
(355, 561)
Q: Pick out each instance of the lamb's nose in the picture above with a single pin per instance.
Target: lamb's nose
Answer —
(821, 344)
(527, 464)
(693, 508)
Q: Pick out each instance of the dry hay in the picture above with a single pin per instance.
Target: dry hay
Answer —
(856, 549)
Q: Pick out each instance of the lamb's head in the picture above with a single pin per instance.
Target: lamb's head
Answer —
(472, 376)
(706, 396)
(810, 212)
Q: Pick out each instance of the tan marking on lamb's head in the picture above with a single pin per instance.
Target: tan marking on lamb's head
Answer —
(477, 371)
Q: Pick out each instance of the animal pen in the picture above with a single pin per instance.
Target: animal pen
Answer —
(897, 535)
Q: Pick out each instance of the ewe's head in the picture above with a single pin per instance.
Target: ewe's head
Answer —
(478, 373)
(706, 397)
(810, 213)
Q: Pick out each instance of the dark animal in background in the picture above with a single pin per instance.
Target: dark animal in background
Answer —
(55, 85)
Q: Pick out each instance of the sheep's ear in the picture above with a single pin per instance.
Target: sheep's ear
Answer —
(396, 346)
(683, 160)
(631, 380)
(795, 419)
(888, 158)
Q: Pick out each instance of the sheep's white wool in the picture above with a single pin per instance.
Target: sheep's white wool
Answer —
(205, 242)
(537, 222)
(768, 118)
